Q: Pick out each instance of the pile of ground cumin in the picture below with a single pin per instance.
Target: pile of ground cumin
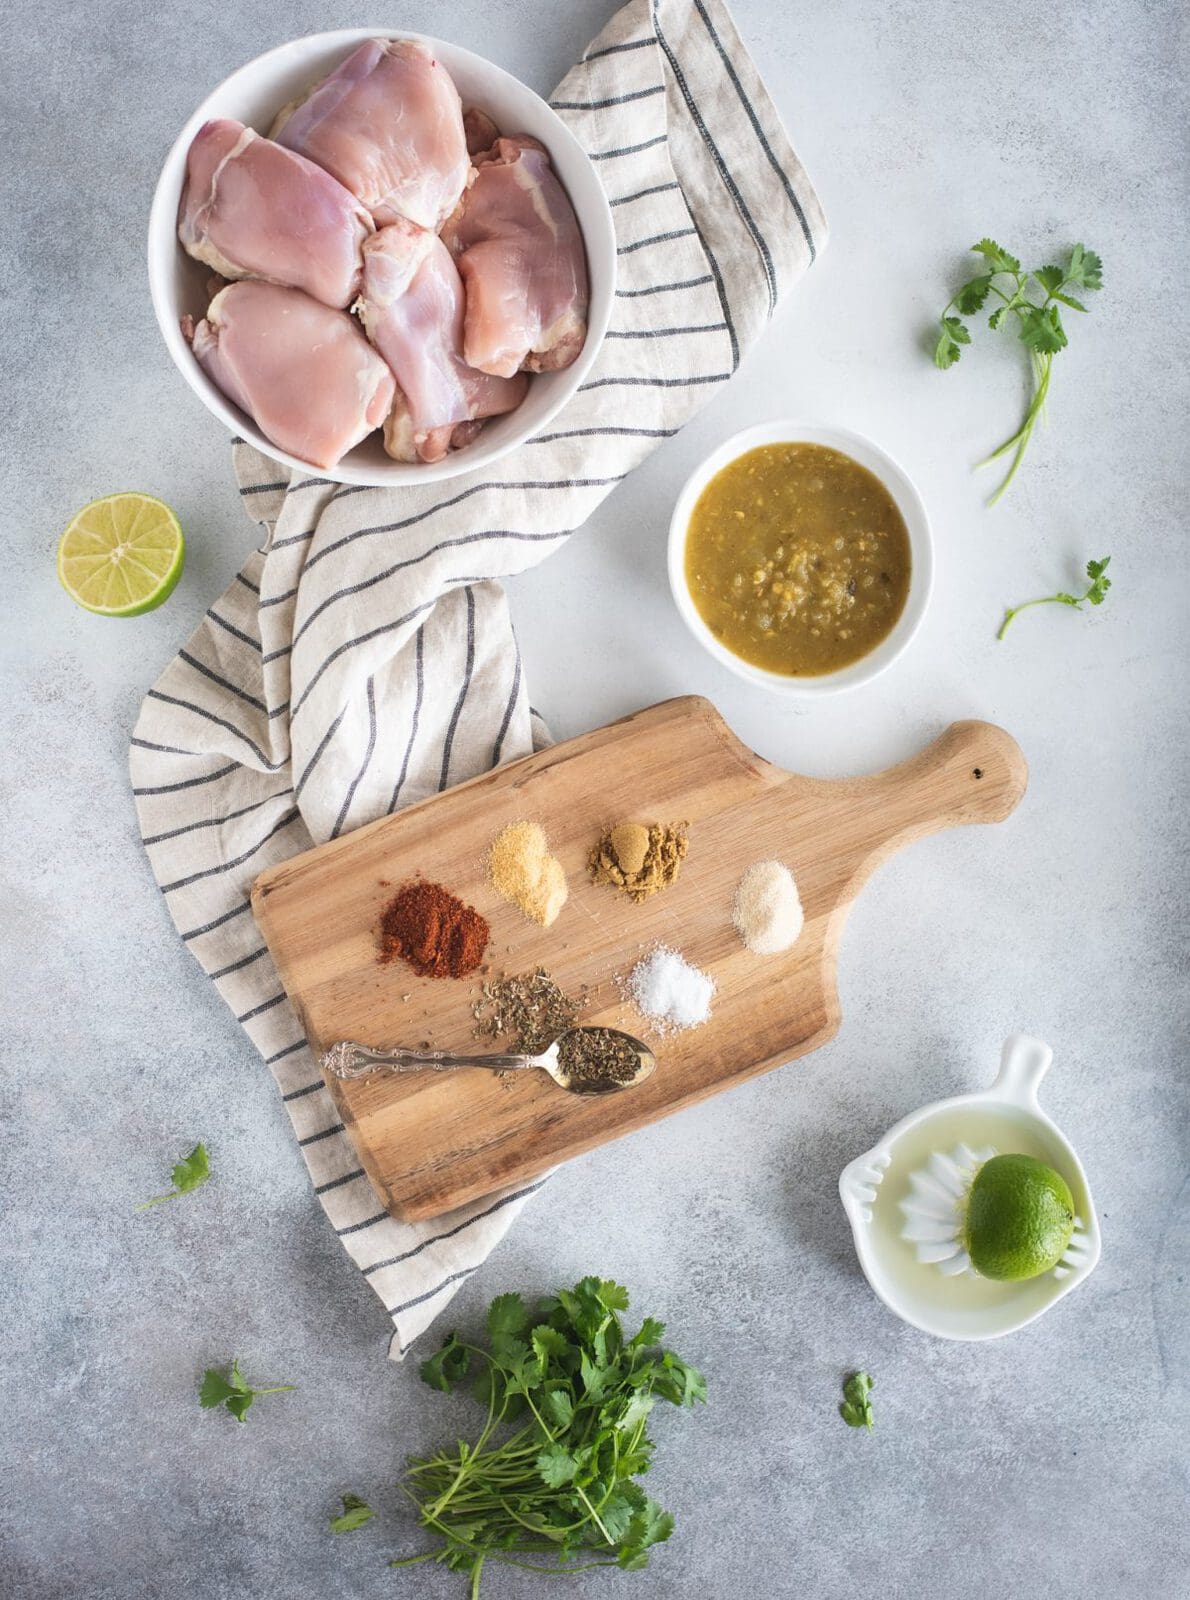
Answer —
(639, 858)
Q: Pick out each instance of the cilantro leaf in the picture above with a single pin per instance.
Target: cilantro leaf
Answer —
(189, 1173)
(1095, 595)
(613, 1295)
(1042, 330)
(998, 260)
(649, 1333)
(649, 1526)
(954, 334)
(549, 1342)
(228, 1388)
(507, 1319)
(856, 1408)
(355, 1514)
(1085, 268)
(556, 1466)
(448, 1366)
(559, 1406)
(215, 1389)
(971, 296)
(1051, 279)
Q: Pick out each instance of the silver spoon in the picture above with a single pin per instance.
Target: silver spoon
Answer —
(348, 1060)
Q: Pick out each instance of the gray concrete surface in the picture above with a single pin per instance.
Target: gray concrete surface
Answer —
(1050, 1464)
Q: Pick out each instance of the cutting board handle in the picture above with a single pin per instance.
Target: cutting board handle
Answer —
(973, 772)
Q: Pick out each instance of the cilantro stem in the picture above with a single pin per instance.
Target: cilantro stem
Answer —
(1095, 595)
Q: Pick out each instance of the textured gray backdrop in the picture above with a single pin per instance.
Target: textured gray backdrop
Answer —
(1051, 1464)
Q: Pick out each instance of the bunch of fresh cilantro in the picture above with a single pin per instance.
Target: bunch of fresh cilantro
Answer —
(552, 1472)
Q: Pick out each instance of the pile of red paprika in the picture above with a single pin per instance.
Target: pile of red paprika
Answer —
(433, 930)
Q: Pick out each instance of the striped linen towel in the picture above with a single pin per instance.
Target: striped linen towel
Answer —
(364, 659)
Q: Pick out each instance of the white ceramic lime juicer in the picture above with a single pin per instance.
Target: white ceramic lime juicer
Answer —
(902, 1200)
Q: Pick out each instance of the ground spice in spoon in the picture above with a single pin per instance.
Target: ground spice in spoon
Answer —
(597, 1058)
(435, 932)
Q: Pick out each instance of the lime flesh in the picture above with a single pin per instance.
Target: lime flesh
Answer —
(121, 555)
(1020, 1216)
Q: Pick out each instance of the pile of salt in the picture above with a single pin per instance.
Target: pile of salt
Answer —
(666, 988)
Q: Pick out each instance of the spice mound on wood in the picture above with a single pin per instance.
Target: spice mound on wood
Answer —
(664, 987)
(597, 1058)
(523, 870)
(531, 1009)
(767, 911)
(434, 931)
(639, 858)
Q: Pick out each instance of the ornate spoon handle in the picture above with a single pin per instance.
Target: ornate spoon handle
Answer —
(348, 1060)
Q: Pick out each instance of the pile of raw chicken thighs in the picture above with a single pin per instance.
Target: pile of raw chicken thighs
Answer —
(392, 262)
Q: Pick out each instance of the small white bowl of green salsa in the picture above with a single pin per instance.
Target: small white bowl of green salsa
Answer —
(800, 557)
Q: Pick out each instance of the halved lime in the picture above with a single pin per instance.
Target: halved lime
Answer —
(121, 555)
(1020, 1216)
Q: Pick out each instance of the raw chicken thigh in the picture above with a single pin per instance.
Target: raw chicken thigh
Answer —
(412, 309)
(388, 124)
(250, 209)
(520, 253)
(303, 371)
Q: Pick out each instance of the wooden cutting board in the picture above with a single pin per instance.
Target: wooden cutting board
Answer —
(432, 1142)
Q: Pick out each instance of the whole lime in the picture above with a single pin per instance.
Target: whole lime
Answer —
(1020, 1216)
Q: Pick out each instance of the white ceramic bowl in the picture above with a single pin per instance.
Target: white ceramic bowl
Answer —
(1007, 1118)
(254, 95)
(908, 502)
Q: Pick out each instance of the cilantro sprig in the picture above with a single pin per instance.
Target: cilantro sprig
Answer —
(553, 1472)
(228, 1387)
(1095, 595)
(856, 1407)
(1033, 298)
(190, 1173)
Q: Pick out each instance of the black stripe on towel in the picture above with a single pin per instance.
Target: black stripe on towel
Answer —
(318, 754)
(227, 866)
(358, 779)
(217, 922)
(265, 1005)
(641, 194)
(758, 130)
(613, 100)
(616, 49)
(188, 783)
(468, 668)
(223, 683)
(313, 1138)
(656, 238)
(220, 722)
(236, 633)
(237, 966)
(664, 288)
(628, 149)
(725, 176)
(497, 1205)
(421, 683)
(341, 650)
(215, 822)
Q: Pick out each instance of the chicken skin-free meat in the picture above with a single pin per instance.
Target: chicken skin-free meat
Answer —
(388, 124)
(251, 209)
(303, 371)
(520, 253)
(412, 309)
